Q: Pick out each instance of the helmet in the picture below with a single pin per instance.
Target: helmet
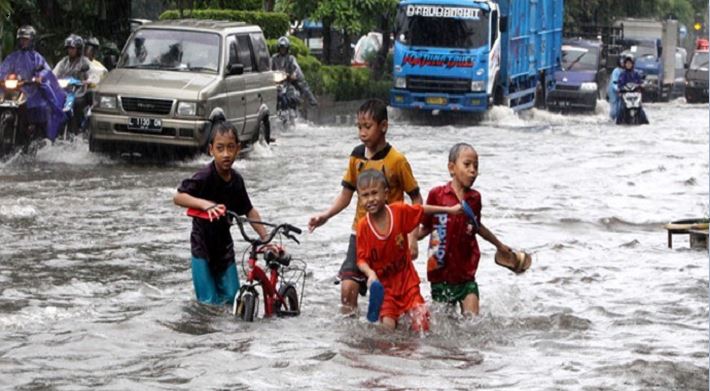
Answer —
(283, 42)
(628, 57)
(93, 41)
(26, 31)
(74, 41)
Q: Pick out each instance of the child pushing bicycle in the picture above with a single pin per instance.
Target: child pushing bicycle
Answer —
(383, 249)
(215, 189)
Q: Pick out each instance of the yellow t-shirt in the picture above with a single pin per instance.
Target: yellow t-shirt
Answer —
(392, 163)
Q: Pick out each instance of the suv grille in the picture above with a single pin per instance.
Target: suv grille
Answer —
(150, 106)
(434, 84)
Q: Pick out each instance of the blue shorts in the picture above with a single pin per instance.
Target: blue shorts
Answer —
(214, 288)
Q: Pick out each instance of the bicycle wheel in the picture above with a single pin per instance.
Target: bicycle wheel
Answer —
(289, 307)
(247, 307)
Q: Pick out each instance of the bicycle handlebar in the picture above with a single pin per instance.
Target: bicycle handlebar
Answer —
(286, 229)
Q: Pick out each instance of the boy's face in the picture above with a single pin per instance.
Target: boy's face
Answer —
(373, 196)
(370, 131)
(465, 169)
(224, 149)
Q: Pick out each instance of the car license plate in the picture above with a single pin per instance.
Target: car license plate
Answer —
(147, 124)
(436, 100)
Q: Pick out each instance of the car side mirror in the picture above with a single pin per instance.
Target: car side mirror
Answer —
(235, 69)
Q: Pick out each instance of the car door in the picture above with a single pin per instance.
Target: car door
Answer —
(252, 84)
(234, 102)
(267, 87)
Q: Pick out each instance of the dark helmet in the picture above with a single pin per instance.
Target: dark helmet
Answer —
(93, 41)
(26, 31)
(283, 42)
(74, 41)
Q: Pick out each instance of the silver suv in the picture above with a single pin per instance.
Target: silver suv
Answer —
(175, 77)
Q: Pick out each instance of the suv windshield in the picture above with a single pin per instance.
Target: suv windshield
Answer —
(439, 26)
(579, 58)
(172, 50)
(700, 61)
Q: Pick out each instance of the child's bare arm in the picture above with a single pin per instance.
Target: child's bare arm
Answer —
(187, 201)
(422, 232)
(367, 270)
(452, 210)
(491, 238)
(253, 215)
(341, 202)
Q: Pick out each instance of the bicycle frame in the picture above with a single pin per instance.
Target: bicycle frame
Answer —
(268, 282)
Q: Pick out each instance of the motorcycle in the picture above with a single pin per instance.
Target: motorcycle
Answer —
(14, 132)
(631, 111)
(288, 99)
(74, 88)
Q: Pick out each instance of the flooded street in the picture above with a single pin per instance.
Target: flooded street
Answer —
(96, 290)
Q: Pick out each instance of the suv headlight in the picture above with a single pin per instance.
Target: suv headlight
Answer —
(400, 82)
(478, 85)
(187, 109)
(107, 102)
(590, 86)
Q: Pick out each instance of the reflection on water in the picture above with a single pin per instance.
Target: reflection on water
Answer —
(97, 293)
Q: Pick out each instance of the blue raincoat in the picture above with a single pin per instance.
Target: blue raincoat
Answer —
(44, 101)
(613, 93)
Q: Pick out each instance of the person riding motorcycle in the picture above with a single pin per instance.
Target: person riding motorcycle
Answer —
(629, 76)
(613, 89)
(285, 62)
(75, 65)
(97, 70)
(43, 109)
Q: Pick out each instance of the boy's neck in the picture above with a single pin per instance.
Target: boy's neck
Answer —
(225, 175)
(459, 189)
(369, 153)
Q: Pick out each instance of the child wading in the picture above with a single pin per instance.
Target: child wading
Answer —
(383, 249)
(215, 189)
(453, 249)
(373, 153)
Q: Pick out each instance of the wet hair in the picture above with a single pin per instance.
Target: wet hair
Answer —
(376, 108)
(456, 150)
(223, 127)
(370, 176)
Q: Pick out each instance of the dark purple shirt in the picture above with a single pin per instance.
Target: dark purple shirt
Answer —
(212, 241)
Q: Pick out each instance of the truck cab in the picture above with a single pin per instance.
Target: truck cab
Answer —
(696, 88)
(583, 77)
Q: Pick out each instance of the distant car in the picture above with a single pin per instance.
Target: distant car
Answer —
(696, 88)
(583, 78)
(173, 77)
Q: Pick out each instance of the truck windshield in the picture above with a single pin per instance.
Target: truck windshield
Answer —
(579, 58)
(172, 50)
(700, 61)
(439, 26)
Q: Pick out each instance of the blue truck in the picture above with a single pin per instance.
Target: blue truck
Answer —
(466, 55)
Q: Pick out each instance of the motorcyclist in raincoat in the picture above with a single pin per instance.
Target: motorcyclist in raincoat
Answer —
(75, 65)
(98, 71)
(285, 62)
(627, 76)
(45, 98)
(613, 89)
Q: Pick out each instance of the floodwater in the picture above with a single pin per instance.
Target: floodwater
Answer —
(96, 288)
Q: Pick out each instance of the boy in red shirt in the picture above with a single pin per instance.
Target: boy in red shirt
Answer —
(383, 249)
(454, 252)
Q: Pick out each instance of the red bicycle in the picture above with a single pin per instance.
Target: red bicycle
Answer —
(280, 284)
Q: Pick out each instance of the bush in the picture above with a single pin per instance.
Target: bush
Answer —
(348, 83)
(274, 24)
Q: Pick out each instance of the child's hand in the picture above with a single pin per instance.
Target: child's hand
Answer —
(216, 211)
(372, 278)
(316, 221)
(456, 209)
